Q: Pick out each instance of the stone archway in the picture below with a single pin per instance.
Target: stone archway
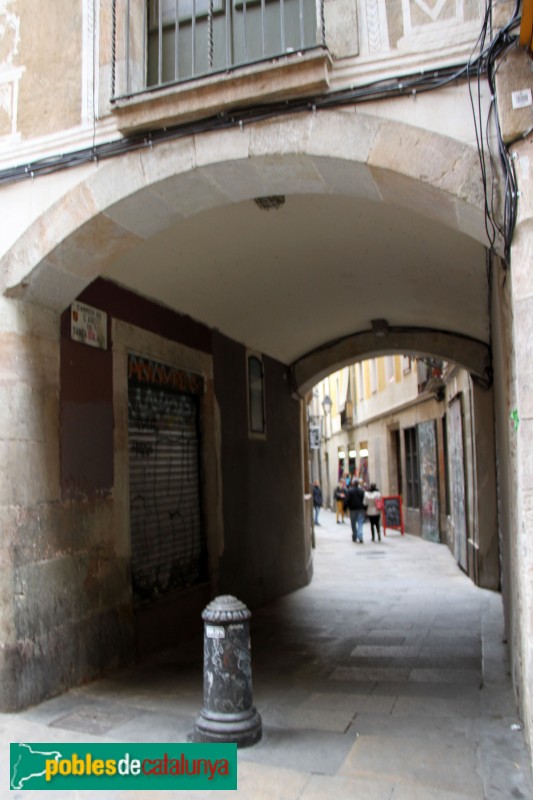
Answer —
(340, 162)
(134, 197)
(474, 355)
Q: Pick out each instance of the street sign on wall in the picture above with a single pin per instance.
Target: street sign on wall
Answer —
(314, 437)
(88, 325)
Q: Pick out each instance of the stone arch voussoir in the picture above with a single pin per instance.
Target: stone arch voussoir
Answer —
(131, 197)
(473, 355)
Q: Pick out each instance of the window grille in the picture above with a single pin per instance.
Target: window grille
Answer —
(185, 39)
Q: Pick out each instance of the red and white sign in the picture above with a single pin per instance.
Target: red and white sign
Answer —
(88, 325)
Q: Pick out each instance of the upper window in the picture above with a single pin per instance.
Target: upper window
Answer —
(189, 38)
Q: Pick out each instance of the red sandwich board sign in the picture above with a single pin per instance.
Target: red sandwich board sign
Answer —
(392, 513)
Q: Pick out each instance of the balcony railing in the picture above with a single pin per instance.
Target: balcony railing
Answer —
(178, 40)
(429, 374)
(347, 415)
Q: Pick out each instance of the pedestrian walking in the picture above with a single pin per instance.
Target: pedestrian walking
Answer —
(340, 496)
(355, 503)
(374, 505)
(317, 500)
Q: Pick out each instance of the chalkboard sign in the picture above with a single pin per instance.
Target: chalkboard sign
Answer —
(392, 513)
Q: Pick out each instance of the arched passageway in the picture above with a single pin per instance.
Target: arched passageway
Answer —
(285, 242)
(377, 220)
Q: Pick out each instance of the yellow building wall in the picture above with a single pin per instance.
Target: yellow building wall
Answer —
(398, 374)
(382, 381)
(366, 380)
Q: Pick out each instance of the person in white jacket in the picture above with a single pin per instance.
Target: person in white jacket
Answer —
(373, 514)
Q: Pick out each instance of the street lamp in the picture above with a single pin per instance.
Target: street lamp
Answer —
(315, 434)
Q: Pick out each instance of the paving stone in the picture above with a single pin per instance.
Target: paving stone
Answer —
(391, 651)
(320, 788)
(425, 762)
(313, 752)
(155, 727)
(262, 782)
(436, 706)
(308, 718)
(369, 673)
(410, 792)
(95, 720)
(442, 728)
(464, 676)
(379, 639)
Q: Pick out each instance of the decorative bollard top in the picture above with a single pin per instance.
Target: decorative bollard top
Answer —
(226, 608)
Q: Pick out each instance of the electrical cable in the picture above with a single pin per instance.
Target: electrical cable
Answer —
(500, 43)
(402, 86)
(484, 64)
(490, 227)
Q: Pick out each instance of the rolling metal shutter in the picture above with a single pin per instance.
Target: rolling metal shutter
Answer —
(167, 540)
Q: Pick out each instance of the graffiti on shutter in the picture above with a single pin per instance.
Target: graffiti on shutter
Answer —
(429, 480)
(167, 539)
(457, 465)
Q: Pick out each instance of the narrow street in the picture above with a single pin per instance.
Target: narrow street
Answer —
(385, 679)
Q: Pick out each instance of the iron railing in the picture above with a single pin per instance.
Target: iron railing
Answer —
(346, 414)
(171, 41)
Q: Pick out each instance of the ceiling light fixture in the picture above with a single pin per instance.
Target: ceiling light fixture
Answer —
(380, 327)
(270, 202)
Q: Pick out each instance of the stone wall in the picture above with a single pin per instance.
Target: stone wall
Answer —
(265, 549)
(65, 610)
(50, 52)
(519, 419)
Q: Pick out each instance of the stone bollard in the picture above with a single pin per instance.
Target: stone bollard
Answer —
(228, 714)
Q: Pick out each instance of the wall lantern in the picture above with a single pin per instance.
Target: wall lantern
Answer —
(352, 453)
(363, 453)
(380, 327)
(327, 404)
(342, 454)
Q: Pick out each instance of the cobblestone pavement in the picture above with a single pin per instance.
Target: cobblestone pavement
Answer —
(385, 679)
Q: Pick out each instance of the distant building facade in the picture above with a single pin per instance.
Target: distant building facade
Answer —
(415, 428)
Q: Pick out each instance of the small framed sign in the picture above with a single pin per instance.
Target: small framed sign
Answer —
(88, 325)
(392, 513)
(314, 437)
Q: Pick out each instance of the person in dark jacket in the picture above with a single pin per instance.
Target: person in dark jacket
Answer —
(317, 500)
(355, 503)
(340, 496)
